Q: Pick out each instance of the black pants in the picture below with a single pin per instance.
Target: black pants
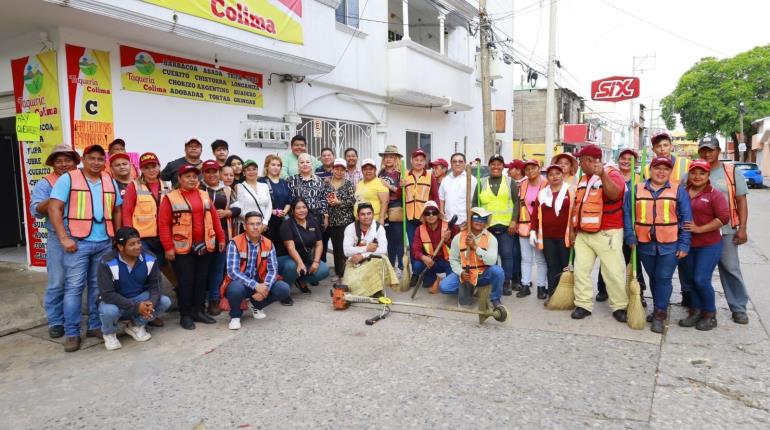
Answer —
(192, 274)
(627, 256)
(556, 259)
(337, 235)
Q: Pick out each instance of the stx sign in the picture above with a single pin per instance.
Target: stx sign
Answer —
(615, 89)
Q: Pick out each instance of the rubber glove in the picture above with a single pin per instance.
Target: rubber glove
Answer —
(533, 239)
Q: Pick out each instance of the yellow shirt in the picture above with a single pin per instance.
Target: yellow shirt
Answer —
(369, 192)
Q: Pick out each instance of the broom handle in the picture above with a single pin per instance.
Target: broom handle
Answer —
(572, 206)
(403, 202)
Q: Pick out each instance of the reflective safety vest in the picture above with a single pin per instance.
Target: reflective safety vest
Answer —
(732, 201)
(145, 216)
(182, 228)
(474, 265)
(242, 245)
(656, 219)
(427, 245)
(525, 220)
(80, 213)
(681, 165)
(51, 178)
(416, 194)
(500, 205)
(588, 211)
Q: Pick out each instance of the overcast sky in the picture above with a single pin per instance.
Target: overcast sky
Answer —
(595, 40)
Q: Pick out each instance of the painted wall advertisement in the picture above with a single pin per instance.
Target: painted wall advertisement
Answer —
(89, 84)
(36, 90)
(276, 19)
(151, 72)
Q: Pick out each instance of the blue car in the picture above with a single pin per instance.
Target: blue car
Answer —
(752, 174)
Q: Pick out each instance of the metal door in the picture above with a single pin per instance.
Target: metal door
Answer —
(11, 213)
(338, 135)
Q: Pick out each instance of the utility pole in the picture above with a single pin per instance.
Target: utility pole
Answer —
(636, 66)
(550, 92)
(486, 94)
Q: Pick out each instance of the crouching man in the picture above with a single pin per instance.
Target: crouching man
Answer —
(129, 289)
(251, 271)
(368, 270)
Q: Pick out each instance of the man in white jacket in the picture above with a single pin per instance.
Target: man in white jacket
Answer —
(364, 245)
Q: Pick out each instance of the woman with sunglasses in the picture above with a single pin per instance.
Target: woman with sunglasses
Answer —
(426, 241)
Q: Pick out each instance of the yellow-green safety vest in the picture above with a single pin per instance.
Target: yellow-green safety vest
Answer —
(500, 205)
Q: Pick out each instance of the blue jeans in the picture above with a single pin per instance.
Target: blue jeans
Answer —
(54, 291)
(494, 275)
(216, 273)
(237, 292)
(731, 277)
(394, 232)
(660, 269)
(505, 249)
(110, 314)
(81, 270)
(411, 228)
(695, 272)
(439, 266)
(287, 268)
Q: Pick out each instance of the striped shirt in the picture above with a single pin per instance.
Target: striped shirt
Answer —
(249, 277)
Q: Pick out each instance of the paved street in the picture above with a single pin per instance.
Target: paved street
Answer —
(311, 367)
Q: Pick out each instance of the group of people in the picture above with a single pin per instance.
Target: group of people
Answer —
(229, 237)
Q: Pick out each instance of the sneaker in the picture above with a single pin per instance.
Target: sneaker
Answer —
(235, 324)
(56, 331)
(258, 314)
(137, 332)
(740, 318)
(111, 342)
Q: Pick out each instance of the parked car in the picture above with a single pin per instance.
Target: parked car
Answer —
(752, 174)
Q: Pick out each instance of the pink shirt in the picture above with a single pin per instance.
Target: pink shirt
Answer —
(532, 191)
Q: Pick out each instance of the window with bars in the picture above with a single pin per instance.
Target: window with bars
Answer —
(347, 13)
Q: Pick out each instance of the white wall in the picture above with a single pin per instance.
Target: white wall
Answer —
(22, 45)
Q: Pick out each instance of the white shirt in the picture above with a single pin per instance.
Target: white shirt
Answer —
(350, 241)
(452, 192)
(251, 200)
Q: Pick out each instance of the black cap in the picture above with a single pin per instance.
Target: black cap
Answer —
(219, 143)
(124, 234)
(497, 157)
(708, 142)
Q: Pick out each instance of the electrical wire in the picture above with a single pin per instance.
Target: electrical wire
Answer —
(344, 51)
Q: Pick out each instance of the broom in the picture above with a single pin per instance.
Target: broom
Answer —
(635, 311)
(407, 261)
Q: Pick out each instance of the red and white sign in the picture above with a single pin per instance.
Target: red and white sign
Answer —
(615, 89)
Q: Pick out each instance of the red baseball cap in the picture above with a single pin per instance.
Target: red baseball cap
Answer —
(516, 164)
(700, 164)
(530, 162)
(188, 168)
(120, 156)
(148, 158)
(590, 150)
(210, 164)
(439, 162)
(418, 152)
(628, 151)
(657, 161)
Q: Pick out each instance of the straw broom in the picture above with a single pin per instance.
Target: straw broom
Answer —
(635, 311)
(407, 262)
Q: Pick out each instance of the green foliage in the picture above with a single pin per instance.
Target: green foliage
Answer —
(707, 96)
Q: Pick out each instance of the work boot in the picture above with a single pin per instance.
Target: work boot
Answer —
(56, 331)
(658, 321)
(707, 321)
(602, 296)
(620, 315)
(94, 332)
(465, 294)
(580, 313)
(507, 290)
(541, 293)
(516, 282)
(693, 316)
(739, 318)
(200, 316)
(71, 343)
(524, 291)
(213, 309)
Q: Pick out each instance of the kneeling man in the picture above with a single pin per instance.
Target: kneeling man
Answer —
(472, 257)
(251, 271)
(129, 288)
(366, 248)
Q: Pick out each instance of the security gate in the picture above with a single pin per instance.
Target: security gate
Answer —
(337, 135)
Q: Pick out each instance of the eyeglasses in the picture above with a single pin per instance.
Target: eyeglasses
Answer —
(431, 213)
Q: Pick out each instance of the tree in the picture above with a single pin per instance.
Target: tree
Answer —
(707, 96)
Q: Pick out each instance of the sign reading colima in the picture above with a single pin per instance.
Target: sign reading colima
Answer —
(615, 89)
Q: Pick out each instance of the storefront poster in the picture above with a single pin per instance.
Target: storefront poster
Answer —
(89, 83)
(36, 89)
(151, 72)
(276, 19)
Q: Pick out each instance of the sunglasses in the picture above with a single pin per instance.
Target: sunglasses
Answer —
(479, 218)
(431, 213)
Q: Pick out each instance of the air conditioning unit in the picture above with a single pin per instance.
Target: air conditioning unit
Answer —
(266, 134)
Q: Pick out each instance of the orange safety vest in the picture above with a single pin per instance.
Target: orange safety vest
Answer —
(525, 221)
(51, 178)
(145, 216)
(656, 213)
(181, 228)
(475, 265)
(587, 216)
(570, 199)
(732, 201)
(80, 213)
(427, 245)
(242, 245)
(416, 194)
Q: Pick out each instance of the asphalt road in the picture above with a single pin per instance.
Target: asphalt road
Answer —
(311, 367)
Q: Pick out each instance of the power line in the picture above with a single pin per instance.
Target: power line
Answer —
(350, 40)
